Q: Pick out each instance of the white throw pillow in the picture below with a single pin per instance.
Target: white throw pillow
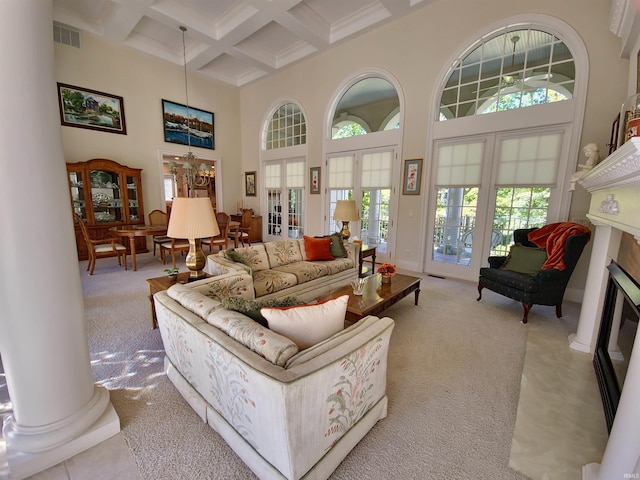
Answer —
(307, 325)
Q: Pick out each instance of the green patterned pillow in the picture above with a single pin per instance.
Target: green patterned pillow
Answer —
(337, 245)
(251, 308)
(235, 256)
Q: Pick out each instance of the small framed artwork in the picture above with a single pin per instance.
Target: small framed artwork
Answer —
(314, 180)
(615, 129)
(250, 184)
(412, 177)
(84, 108)
(187, 125)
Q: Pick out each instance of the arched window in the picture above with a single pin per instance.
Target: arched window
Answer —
(362, 158)
(286, 128)
(497, 165)
(366, 107)
(509, 69)
(284, 163)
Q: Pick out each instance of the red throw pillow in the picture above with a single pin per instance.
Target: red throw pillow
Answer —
(318, 248)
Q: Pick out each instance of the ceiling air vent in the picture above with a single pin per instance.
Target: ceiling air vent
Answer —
(66, 36)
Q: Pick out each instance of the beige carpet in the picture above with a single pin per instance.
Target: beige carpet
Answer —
(454, 377)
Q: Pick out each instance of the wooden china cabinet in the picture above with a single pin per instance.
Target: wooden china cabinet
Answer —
(105, 194)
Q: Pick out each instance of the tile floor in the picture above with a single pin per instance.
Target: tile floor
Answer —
(559, 427)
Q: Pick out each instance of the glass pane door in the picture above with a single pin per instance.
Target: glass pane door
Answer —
(132, 195)
(77, 194)
(105, 195)
(455, 218)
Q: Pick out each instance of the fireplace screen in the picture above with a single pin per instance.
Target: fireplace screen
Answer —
(615, 340)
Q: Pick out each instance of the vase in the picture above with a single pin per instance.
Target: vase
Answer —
(386, 278)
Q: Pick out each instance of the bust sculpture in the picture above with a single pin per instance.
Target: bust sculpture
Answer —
(592, 152)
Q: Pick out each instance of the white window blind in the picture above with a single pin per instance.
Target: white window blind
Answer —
(272, 175)
(340, 172)
(376, 169)
(459, 165)
(295, 175)
(531, 160)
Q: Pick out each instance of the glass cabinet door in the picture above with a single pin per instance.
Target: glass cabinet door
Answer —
(106, 196)
(77, 194)
(132, 196)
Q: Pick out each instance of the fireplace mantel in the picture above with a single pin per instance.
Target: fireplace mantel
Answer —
(616, 181)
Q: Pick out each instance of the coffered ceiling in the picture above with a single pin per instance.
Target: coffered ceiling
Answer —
(234, 41)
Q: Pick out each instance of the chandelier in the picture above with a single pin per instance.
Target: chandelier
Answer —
(194, 175)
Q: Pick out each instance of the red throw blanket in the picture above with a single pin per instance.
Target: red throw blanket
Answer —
(553, 238)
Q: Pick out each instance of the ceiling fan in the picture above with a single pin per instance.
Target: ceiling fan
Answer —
(508, 80)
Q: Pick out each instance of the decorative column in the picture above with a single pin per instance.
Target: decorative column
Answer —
(606, 243)
(621, 459)
(58, 411)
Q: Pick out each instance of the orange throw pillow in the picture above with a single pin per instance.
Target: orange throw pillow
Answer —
(318, 248)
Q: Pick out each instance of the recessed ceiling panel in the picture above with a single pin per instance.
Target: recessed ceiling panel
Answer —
(246, 38)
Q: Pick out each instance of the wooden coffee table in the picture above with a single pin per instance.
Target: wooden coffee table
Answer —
(376, 296)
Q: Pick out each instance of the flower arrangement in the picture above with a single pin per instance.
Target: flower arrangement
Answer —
(387, 270)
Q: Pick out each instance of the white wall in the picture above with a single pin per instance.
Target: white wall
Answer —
(415, 49)
(143, 81)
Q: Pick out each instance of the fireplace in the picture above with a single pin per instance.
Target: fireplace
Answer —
(610, 307)
(617, 333)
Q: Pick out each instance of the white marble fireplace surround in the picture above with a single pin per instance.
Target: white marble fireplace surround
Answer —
(614, 185)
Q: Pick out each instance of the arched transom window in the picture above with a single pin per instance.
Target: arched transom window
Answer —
(286, 128)
(514, 69)
(370, 105)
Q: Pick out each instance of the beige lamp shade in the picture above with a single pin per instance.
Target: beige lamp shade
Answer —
(192, 218)
(346, 211)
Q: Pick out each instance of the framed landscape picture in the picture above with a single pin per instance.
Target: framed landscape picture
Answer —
(412, 177)
(84, 108)
(186, 125)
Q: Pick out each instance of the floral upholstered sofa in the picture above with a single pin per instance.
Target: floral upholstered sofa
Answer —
(289, 268)
(287, 413)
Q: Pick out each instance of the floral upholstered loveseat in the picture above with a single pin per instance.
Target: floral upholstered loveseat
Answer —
(285, 268)
(287, 413)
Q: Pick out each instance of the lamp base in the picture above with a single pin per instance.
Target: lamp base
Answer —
(345, 230)
(195, 260)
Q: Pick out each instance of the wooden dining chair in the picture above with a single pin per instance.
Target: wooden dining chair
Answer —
(244, 231)
(172, 246)
(222, 240)
(105, 248)
(156, 218)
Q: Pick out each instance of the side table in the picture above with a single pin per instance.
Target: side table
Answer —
(367, 251)
(162, 283)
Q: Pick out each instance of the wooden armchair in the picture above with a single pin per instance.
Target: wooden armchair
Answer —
(523, 277)
(105, 248)
(222, 240)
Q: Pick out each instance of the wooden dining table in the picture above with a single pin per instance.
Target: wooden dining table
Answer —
(133, 231)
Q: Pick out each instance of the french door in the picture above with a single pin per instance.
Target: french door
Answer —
(285, 194)
(485, 187)
(365, 176)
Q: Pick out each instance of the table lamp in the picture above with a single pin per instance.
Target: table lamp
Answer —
(193, 219)
(346, 211)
